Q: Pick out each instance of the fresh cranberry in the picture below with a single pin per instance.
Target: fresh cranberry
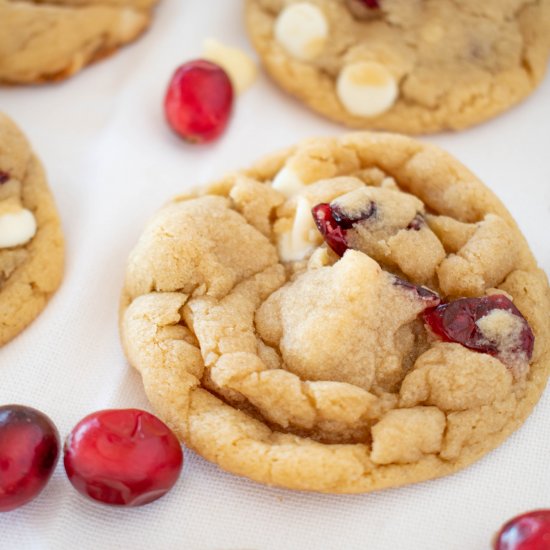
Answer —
(333, 233)
(529, 531)
(29, 449)
(124, 457)
(199, 101)
(4, 177)
(428, 296)
(372, 4)
(457, 322)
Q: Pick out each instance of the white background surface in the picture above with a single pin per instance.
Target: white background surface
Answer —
(111, 162)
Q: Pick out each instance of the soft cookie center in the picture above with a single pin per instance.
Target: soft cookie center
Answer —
(340, 323)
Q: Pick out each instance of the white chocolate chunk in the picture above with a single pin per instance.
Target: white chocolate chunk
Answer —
(288, 183)
(366, 88)
(237, 64)
(296, 244)
(17, 228)
(302, 29)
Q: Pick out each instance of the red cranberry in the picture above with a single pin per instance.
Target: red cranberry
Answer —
(333, 233)
(198, 101)
(529, 531)
(333, 221)
(4, 177)
(372, 4)
(29, 449)
(124, 457)
(417, 223)
(346, 219)
(457, 322)
(428, 296)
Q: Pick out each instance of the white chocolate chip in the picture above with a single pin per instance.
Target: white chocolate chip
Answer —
(17, 228)
(238, 65)
(288, 182)
(302, 29)
(296, 244)
(366, 88)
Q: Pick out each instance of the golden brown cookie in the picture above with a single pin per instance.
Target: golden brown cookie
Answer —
(347, 315)
(411, 66)
(31, 242)
(43, 40)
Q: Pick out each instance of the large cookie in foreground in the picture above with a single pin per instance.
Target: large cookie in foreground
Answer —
(406, 346)
(31, 242)
(43, 40)
(412, 66)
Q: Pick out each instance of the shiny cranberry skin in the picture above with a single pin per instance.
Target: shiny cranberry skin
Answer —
(199, 101)
(333, 222)
(333, 233)
(371, 4)
(124, 457)
(4, 177)
(456, 322)
(529, 531)
(29, 449)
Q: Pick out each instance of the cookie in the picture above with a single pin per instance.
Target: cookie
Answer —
(411, 66)
(31, 242)
(348, 315)
(45, 40)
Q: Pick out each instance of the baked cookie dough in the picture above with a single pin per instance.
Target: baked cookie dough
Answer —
(348, 315)
(411, 66)
(31, 242)
(42, 40)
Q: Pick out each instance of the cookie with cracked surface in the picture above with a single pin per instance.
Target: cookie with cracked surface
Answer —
(411, 66)
(31, 242)
(44, 40)
(348, 315)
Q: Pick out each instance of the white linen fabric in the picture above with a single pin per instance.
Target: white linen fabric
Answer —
(111, 162)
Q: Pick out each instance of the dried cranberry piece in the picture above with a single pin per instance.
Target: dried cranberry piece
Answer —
(417, 223)
(530, 531)
(371, 4)
(333, 221)
(125, 457)
(347, 220)
(4, 177)
(333, 233)
(429, 296)
(29, 449)
(457, 322)
(199, 101)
